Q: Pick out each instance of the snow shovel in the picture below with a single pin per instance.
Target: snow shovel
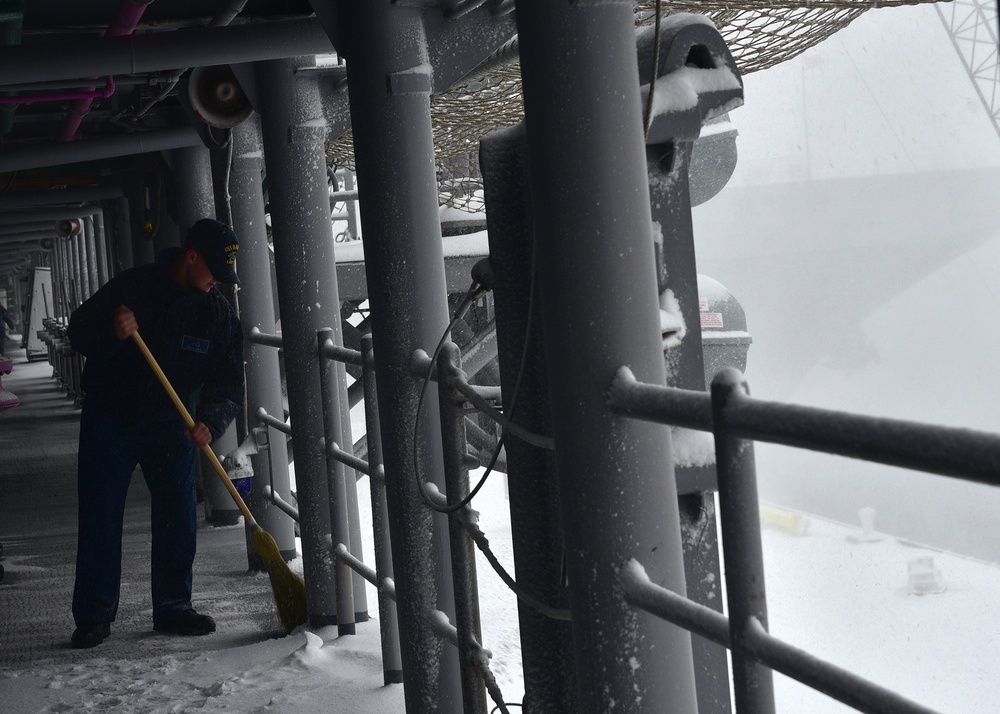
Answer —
(289, 590)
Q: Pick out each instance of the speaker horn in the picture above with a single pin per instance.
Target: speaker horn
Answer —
(66, 227)
(217, 97)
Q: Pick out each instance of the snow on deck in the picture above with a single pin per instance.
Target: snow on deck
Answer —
(838, 599)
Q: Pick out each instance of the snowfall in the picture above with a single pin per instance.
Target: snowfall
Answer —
(896, 323)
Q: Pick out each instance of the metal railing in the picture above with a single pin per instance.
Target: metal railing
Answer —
(737, 420)
(381, 576)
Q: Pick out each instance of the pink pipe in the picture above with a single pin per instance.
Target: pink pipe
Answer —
(129, 14)
(107, 91)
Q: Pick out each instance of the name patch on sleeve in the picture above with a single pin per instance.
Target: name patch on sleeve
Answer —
(194, 344)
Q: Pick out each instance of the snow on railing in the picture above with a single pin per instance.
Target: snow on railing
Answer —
(737, 420)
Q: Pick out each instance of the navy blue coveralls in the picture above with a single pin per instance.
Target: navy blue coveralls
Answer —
(128, 419)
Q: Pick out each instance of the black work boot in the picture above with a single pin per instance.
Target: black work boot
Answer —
(185, 622)
(86, 636)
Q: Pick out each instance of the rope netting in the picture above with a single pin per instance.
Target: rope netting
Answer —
(759, 34)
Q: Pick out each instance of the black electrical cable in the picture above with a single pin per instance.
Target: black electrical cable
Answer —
(474, 292)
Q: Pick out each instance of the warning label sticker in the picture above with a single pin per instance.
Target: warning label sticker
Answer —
(702, 304)
(711, 319)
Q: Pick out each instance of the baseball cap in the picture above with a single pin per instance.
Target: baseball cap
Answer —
(218, 245)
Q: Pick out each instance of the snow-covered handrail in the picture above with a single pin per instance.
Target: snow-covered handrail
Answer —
(736, 420)
(839, 683)
(947, 451)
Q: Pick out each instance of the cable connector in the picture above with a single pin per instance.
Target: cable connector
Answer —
(482, 275)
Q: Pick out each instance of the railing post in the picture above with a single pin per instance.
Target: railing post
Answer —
(744, 560)
(463, 550)
(392, 666)
(339, 526)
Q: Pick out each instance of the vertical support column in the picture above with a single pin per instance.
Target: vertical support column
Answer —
(753, 683)
(546, 644)
(389, 83)
(65, 286)
(195, 200)
(79, 292)
(121, 253)
(598, 291)
(670, 141)
(57, 306)
(392, 668)
(90, 255)
(193, 185)
(294, 134)
(101, 244)
(143, 200)
(257, 310)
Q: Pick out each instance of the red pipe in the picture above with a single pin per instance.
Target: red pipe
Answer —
(129, 14)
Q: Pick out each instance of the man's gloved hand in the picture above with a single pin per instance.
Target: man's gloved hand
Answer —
(124, 323)
(199, 434)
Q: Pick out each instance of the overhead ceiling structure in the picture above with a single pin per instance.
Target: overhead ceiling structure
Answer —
(91, 91)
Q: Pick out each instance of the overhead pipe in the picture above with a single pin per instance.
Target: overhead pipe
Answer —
(129, 14)
(57, 197)
(157, 52)
(106, 147)
(16, 229)
(66, 85)
(221, 19)
(47, 215)
(34, 236)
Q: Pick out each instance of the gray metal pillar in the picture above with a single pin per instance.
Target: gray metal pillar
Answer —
(669, 144)
(139, 195)
(101, 238)
(598, 290)
(546, 644)
(670, 202)
(390, 84)
(257, 310)
(90, 255)
(58, 278)
(64, 288)
(76, 281)
(294, 134)
(193, 183)
(121, 253)
(195, 200)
